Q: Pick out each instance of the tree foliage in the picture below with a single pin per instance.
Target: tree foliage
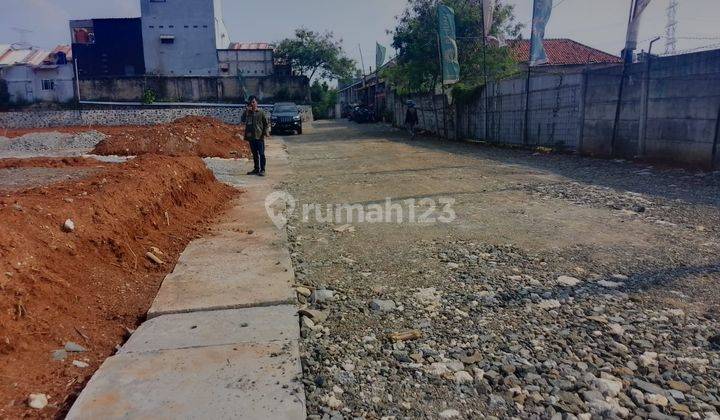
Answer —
(323, 98)
(415, 39)
(316, 54)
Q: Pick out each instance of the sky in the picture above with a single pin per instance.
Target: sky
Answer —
(598, 23)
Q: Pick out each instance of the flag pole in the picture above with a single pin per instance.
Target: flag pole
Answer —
(627, 56)
(442, 88)
(485, 71)
(526, 131)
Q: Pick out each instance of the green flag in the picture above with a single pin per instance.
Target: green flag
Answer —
(380, 52)
(448, 45)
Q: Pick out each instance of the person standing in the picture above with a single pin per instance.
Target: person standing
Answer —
(411, 118)
(257, 128)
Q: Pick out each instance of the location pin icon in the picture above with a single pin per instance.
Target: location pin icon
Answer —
(279, 205)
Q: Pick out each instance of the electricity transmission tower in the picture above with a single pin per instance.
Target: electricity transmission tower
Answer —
(671, 28)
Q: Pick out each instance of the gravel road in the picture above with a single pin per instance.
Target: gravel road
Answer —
(565, 287)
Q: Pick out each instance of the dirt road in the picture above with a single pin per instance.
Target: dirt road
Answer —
(563, 284)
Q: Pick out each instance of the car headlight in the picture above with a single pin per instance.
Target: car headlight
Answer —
(296, 118)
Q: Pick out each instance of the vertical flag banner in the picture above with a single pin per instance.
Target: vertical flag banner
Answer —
(634, 25)
(541, 16)
(380, 53)
(448, 46)
(488, 11)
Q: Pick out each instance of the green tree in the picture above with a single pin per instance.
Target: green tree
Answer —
(316, 54)
(323, 98)
(415, 38)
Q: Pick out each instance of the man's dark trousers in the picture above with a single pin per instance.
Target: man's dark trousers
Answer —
(258, 151)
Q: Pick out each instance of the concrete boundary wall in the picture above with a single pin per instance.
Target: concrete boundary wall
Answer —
(669, 114)
(121, 116)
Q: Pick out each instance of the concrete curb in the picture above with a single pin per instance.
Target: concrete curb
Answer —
(221, 340)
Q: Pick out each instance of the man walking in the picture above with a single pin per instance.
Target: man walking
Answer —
(411, 118)
(257, 128)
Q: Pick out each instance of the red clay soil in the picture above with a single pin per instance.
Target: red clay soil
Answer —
(65, 162)
(91, 285)
(187, 136)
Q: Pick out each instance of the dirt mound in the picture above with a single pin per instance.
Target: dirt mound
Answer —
(64, 162)
(187, 136)
(90, 284)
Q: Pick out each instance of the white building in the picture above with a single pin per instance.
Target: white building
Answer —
(255, 59)
(35, 75)
(181, 37)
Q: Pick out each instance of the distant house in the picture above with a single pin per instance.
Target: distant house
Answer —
(563, 54)
(36, 75)
(248, 59)
(108, 47)
(181, 37)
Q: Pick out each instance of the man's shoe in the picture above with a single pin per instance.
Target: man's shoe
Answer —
(254, 172)
(261, 173)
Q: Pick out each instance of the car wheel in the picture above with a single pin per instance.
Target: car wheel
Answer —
(299, 131)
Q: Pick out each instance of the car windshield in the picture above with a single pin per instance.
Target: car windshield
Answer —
(284, 108)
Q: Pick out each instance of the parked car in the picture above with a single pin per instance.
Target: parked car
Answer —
(286, 117)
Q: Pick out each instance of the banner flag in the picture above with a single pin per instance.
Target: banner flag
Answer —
(380, 53)
(448, 45)
(634, 25)
(488, 11)
(541, 15)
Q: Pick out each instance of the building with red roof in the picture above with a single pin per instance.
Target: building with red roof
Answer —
(563, 54)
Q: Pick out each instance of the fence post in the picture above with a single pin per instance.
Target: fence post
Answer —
(526, 126)
(583, 98)
(618, 110)
(716, 140)
(644, 105)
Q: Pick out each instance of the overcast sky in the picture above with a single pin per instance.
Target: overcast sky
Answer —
(599, 23)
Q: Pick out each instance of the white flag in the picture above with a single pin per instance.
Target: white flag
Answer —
(634, 25)
(488, 12)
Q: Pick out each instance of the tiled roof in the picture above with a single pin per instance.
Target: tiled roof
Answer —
(250, 46)
(66, 49)
(562, 52)
(12, 55)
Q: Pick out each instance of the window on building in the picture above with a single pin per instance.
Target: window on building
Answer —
(167, 39)
(48, 84)
(171, 26)
(83, 35)
(158, 1)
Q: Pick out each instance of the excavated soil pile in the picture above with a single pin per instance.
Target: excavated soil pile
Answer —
(84, 285)
(188, 136)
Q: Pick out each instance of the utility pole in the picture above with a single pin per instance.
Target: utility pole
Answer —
(671, 28)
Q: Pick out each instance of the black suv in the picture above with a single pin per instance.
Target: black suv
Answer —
(286, 117)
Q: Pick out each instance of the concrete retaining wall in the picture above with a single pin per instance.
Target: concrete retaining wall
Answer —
(195, 89)
(121, 116)
(670, 114)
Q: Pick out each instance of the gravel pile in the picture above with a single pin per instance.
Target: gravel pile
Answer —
(49, 143)
(506, 334)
